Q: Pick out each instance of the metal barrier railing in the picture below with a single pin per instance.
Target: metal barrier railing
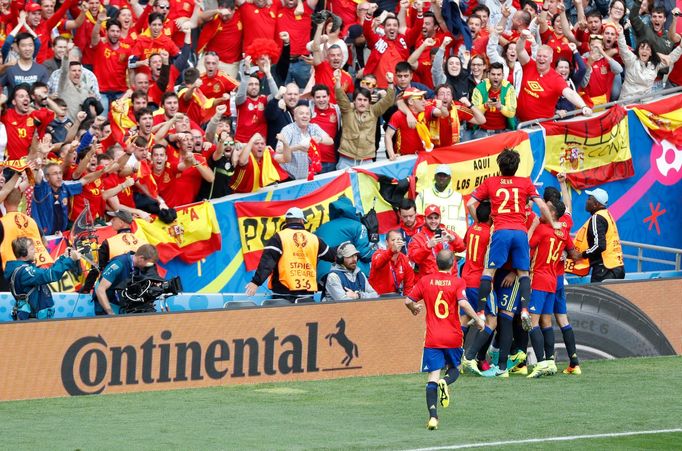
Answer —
(640, 258)
(628, 101)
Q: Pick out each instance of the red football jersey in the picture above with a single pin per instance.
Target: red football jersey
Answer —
(441, 293)
(110, 66)
(508, 198)
(186, 185)
(476, 240)
(407, 140)
(567, 221)
(546, 246)
(258, 22)
(251, 119)
(328, 121)
(539, 93)
(324, 75)
(125, 197)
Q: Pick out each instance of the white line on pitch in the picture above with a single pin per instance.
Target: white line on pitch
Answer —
(548, 439)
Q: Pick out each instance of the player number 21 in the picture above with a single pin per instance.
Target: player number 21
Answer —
(441, 305)
(505, 193)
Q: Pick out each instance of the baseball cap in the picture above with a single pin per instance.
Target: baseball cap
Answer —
(431, 209)
(347, 250)
(600, 195)
(354, 32)
(295, 213)
(413, 92)
(443, 169)
(123, 215)
(33, 7)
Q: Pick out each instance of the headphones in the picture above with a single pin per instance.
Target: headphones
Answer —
(339, 252)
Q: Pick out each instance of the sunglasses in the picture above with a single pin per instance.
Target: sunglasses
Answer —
(597, 37)
(368, 84)
(163, 7)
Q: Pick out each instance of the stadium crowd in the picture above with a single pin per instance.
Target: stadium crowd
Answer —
(147, 106)
(141, 107)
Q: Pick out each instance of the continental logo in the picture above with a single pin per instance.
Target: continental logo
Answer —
(91, 364)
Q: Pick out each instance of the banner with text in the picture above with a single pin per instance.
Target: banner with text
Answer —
(591, 151)
(259, 221)
(472, 162)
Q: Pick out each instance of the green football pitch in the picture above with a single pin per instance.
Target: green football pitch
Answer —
(596, 409)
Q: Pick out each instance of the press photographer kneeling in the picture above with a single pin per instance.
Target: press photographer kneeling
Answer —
(131, 284)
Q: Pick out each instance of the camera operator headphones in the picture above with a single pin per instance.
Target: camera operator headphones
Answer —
(339, 252)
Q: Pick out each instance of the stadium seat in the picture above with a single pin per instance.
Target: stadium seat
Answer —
(276, 301)
(234, 305)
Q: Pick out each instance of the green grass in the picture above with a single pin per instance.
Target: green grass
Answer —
(362, 413)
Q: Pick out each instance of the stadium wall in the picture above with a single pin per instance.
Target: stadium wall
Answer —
(304, 342)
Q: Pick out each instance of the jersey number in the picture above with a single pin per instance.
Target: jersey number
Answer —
(303, 284)
(505, 192)
(554, 253)
(473, 247)
(441, 304)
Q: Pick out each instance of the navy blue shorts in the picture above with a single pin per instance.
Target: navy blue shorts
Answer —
(509, 245)
(560, 296)
(436, 358)
(508, 298)
(472, 297)
(541, 303)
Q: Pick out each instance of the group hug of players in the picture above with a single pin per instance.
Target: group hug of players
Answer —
(496, 280)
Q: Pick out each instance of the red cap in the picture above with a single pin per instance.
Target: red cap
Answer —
(431, 209)
(33, 7)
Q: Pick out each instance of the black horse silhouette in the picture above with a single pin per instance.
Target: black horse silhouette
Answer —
(347, 345)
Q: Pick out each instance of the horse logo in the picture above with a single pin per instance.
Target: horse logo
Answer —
(341, 338)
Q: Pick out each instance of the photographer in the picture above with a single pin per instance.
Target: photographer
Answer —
(28, 283)
(121, 272)
(432, 238)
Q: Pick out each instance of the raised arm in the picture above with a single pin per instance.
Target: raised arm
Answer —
(521, 53)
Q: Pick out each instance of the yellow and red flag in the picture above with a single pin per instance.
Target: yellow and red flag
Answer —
(370, 186)
(592, 151)
(663, 119)
(192, 236)
(259, 221)
(474, 161)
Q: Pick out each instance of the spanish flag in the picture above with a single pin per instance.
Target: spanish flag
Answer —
(592, 151)
(473, 161)
(663, 119)
(383, 194)
(192, 236)
(259, 221)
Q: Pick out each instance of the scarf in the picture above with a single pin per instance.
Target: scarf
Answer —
(423, 132)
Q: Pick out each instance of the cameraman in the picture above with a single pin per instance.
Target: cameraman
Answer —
(28, 283)
(120, 272)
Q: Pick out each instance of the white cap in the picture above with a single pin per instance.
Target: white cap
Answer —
(599, 195)
(443, 169)
(295, 213)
